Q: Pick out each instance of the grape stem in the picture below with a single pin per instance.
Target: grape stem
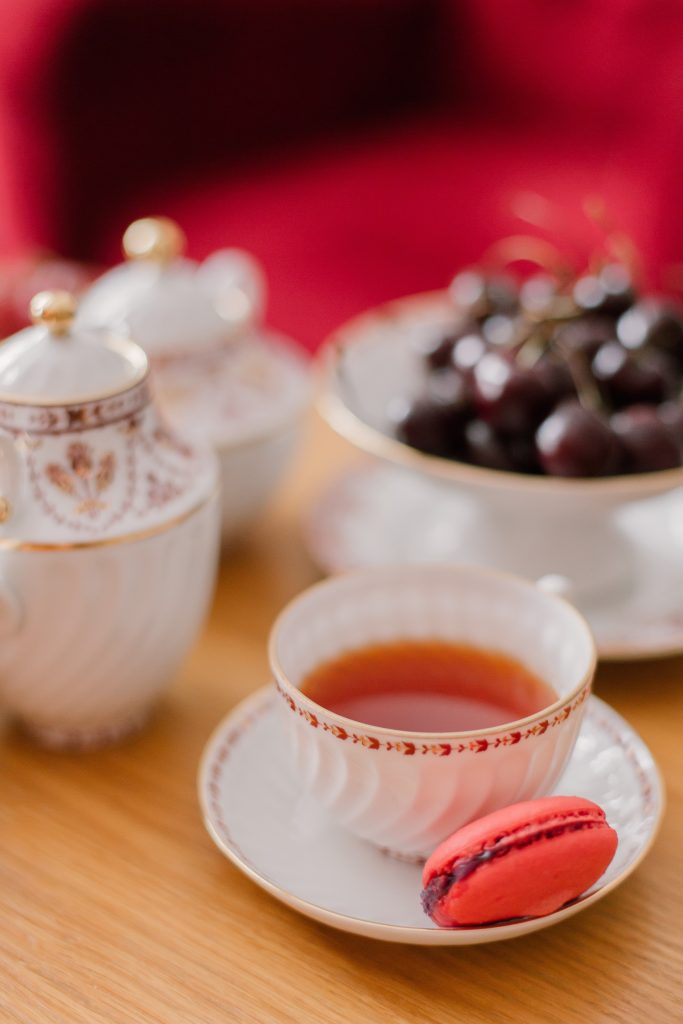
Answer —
(587, 390)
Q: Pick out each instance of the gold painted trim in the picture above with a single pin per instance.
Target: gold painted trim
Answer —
(424, 935)
(374, 573)
(362, 435)
(134, 353)
(14, 544)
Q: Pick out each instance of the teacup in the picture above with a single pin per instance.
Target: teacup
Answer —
(406, 791)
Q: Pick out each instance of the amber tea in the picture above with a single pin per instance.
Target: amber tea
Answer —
(427, 686)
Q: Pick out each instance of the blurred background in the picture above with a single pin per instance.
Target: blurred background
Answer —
(362, 149)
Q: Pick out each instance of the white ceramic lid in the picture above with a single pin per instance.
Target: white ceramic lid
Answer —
(171, 305)
(56, 363)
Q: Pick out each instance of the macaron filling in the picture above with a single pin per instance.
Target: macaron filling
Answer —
(462, 867)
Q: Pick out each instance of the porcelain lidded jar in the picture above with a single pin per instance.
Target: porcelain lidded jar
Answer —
(219, 374)
(109, 532)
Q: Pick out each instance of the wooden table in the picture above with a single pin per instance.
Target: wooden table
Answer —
(116, 907)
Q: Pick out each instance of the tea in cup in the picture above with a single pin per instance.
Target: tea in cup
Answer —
(418, 698)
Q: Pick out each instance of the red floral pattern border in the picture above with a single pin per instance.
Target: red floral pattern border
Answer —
(409, 748)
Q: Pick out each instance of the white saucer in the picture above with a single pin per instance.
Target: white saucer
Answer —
(378, 515)
(253, 812)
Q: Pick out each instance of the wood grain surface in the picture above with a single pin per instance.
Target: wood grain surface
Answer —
(116, 908)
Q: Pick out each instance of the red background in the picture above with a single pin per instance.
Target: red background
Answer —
(361, 148)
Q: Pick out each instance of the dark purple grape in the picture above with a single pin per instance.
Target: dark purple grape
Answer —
(670, 370)
(576, 442)
(438, 352)
(426, 426)
(648, 442)
(617, 284)
(624, 379)
(510, 397)
(654, 324)
(555, 376)
(485, 448)
(467, 352)
(584, 335)
(671, 414)
(501, 331)
(479, 295)
(522, 453)
(435, 421)
(538, 294)
(609, 292)
(502, 294)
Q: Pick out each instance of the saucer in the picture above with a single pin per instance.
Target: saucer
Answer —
(253, 811)
(377, 514)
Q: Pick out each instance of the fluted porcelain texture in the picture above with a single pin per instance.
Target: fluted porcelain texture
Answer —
(407, 791)
(89, 638)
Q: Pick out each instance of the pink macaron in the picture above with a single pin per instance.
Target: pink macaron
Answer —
(526, 860)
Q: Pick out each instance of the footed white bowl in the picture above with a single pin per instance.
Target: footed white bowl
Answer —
(531, 525)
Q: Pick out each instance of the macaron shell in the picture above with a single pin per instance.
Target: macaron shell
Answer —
(531, 880)
(472, 838)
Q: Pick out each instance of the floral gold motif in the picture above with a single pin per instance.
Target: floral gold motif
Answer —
(84, 478)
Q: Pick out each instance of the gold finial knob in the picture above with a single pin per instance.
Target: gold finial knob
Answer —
(55, 309)
(154, 238)
(5, 510)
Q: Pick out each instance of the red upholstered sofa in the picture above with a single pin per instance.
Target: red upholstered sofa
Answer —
(361, 148)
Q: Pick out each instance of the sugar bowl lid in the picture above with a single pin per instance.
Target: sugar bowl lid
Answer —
(172, 305)
(59, 362)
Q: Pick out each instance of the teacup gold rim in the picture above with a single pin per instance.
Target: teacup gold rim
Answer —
(367, 438)
(300, 698)
(262, 697)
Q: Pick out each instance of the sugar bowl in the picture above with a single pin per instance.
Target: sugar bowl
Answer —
(109, 528)
(218, 373)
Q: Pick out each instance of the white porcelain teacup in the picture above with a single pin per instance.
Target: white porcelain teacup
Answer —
(406, 791)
